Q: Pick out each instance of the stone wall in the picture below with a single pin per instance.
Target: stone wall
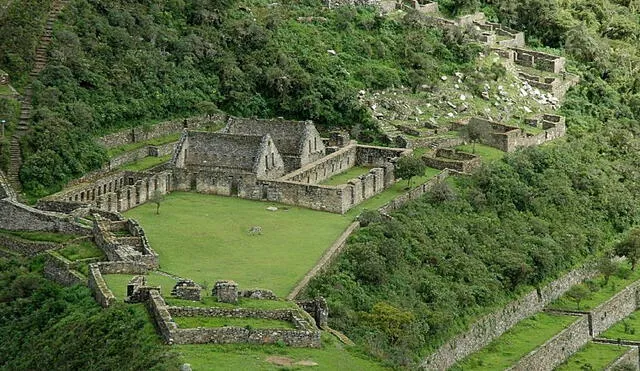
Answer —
(557, 349)
(61, 270)
(415, 193)
(631, 357)
(25, 247)
(508, 138)
(489, 327)
(118, 191)
(18, 217)
(330, 165)
(538, 60)
(98, 286)
(445, 158)
(140, 133)
(139, 154)
(615, 309)
(135, 248)
(159, 312)
(317, 309)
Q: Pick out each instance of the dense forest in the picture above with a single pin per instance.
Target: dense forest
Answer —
(406, 284)
(46, 327)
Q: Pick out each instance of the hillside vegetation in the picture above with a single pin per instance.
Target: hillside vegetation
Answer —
(121, 63)
(405, 285)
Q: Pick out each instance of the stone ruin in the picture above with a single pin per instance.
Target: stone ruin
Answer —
(187, 290)
(4, 78)
(226, 292)
(137, 290)
(317, 308)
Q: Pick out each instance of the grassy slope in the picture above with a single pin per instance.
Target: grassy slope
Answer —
(81, 250)
(332, 356)
(627, 329)
(615, 285)
(206, 238)
(345, 176)
(597, 356)
(516, 343)
(146, 163)
(118, 283)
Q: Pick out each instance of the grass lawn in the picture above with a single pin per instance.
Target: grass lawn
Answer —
(345, 176)
(627, 329)
(205, 238)
(210, 301)
(514, 344)
(192, 322)
(40, 236)
(81, 250)
(146, 163)
(593, 356)
(487, 153)
(615, 285)
(398, 189)
(332, 356)
(151, 142)
(118, 283)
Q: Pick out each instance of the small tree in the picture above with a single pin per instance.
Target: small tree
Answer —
(208, 108)
(630, 247)
(409, 166)
(476, 132)
(157, 198)
(578, 293)
(607, 268)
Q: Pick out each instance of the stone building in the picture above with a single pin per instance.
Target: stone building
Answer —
(298, 142)
(227, 164)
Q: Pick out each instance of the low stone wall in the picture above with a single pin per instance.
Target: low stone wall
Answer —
(557, 349)
(326, 167)
(538, 60)
(413, 194)
(26, 247)
(451, 159)
(98, 286)
(159, 312)
(489, 327)
(508, 138)
(139, 154)
(232, 335)
(59, 269)
(326, 259)
(274, 314)
(631, 357)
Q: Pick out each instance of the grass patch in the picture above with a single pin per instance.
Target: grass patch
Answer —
(524, 337)
(397, 189)
(5, 90)
(599, 292)
(81, 250)
(205, 238)
(345, 176)
(212, 302)
(487, 153)
(118, 283)
(192, 322)
(112, 152)
(40, 236)
(332, 356)
(146, 163)
(627, 329)
(593, 356)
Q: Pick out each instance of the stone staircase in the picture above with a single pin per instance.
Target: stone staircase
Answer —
(15, 152)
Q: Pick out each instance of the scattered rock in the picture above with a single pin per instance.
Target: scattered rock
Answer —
(185, 367)
(272, 208)
(443, 78)
(485, 95)
(280, 361)
(527, 109)
(255, 230)
(306, 363)
(463, 97)
(451, 105)
(332, 52)
(456, 86)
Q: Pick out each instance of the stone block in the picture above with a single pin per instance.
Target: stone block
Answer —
(226, 291)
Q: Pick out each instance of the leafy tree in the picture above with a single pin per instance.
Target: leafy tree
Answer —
(607, 268)
(394, 322)
(408, 167)
(157, 198)
(477, 132)
(630, 247)
(578, 293)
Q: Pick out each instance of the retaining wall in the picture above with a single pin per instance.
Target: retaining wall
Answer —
(631, 357)
(18, 217)
(615, 309)
(557, 349)
(26, 247)
(59, 269)
(488, 328)
(98, 286)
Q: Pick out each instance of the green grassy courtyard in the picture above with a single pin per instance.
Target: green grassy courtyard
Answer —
(627, 329)
(258, 323)
(206, 238)
(514, 344)
(345, 176)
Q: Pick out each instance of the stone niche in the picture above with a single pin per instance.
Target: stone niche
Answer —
(226, 291)
(187, 290)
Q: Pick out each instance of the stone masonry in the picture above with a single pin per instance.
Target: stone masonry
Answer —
(226, 291)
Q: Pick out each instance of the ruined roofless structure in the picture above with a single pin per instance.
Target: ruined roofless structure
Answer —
(298, 142)
(231, 154)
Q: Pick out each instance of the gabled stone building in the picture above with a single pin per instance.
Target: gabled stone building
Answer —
(227, 164)
(298, 142)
